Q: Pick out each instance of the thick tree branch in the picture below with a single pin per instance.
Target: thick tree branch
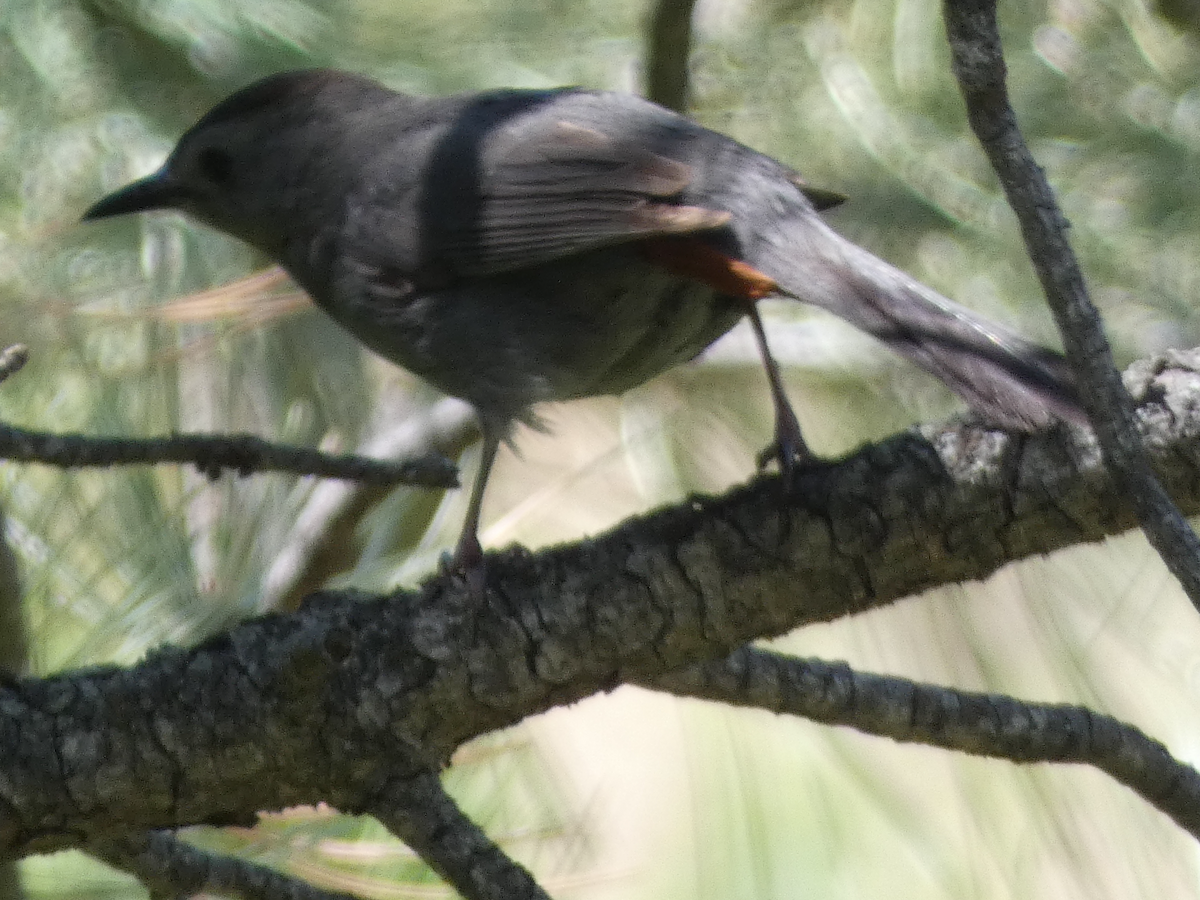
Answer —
(983, 724)
(978, 65)
(350, 693)
(213, 453)
(418, 810)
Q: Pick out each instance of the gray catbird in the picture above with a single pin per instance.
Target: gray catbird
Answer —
(518, 246)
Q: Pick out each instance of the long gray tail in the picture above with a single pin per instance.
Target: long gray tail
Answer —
(1011, 382)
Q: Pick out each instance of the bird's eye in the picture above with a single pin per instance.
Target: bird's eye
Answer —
(215, 165)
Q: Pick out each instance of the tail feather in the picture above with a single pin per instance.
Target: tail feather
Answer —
(1013, 383)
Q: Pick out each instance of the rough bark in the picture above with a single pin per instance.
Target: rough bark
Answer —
(354, 693)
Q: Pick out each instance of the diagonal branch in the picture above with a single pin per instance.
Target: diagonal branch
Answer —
(213, 453)
(984, 724)
(978, 65)
(169, 867)
(418, 810)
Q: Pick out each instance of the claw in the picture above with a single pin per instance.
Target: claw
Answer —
(788, 449)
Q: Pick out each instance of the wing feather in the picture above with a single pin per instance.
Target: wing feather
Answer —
(518, 178)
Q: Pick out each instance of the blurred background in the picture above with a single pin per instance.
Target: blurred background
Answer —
(151, 324)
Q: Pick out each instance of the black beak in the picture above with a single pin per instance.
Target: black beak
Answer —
(152, 192)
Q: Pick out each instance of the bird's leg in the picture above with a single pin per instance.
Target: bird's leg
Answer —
(789, 447)
(468, 555)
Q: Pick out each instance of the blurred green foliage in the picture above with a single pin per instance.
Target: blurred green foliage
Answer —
(856, 94)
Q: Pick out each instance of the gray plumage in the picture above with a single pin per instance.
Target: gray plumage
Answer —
(515, 247)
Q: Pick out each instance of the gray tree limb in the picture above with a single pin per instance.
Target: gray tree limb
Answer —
(983, 724)
(338, 700)
(978, 64)
(212, 454)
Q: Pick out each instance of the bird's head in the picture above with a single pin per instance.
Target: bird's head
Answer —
(255, 159)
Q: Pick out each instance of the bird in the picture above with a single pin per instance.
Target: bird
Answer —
(513, 247)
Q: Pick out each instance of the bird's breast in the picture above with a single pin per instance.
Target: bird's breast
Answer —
(591, 324)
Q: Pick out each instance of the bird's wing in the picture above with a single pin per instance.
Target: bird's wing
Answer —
(549, 190)
(518, 178)
(574, 189)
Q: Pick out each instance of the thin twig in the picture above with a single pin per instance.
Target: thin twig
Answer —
(978, 65)
(992, 725)
(12, 359)
(213, 453)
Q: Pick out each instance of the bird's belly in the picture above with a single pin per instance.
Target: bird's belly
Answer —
(591, 324)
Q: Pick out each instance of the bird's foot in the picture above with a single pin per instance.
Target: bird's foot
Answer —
(788, 449)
